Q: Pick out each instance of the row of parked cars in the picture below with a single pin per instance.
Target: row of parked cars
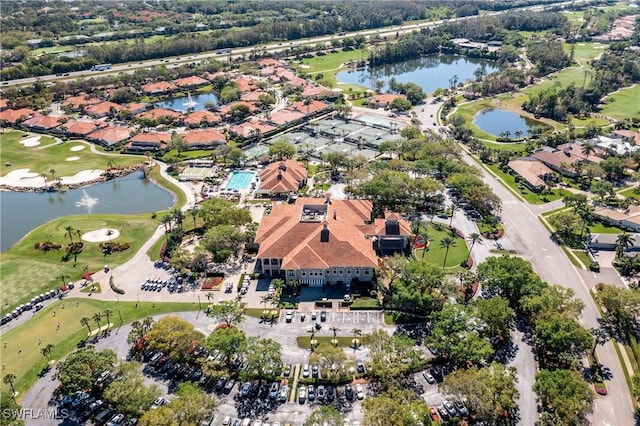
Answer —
(86, 407)
(327, 394)
(34, 305)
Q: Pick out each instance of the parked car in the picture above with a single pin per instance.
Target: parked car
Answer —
(273, 390)
(331, 393)
(229, 385)
(159, 401)
(314, 371)
(287, 370)
(305, 371)
(450, 408)
(323, 316)
(311, 393)
(245, 390)
(348, 392)
(116, 420)
(321, 393)
(288, 317)
(283, 394)
(429, 377)
(359, 392)
(444, 414)
(302, 394)
(460, 408)
(360, 366)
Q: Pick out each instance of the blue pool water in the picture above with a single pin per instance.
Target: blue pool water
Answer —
(240, 180)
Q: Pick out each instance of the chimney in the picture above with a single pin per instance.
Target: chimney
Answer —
(283, 166)
(279, 175)
(335, 215)
(391, 227)
(324, 233)
(327, 199)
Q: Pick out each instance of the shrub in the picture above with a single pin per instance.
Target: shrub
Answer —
(115, 288)
(594, 267)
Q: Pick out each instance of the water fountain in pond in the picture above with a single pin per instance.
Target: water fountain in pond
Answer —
(190, 103)
(86, 201)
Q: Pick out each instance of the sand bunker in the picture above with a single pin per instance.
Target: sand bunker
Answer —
(81, 177)
(101, 235)
(73, 158)
(29, 142)
(303, 66)
(77, 148)
(22, 178)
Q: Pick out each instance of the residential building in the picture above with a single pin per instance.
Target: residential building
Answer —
(201, 118)
(533, 173)
(383, 100)
(103, 109)
(324, 242)
(15, 116)
(282, 178)
(158, 88)
(564, 158)
(628, 218)
(203, 139)
(160, 114)
(110, 136)
(41, 123)
(148, 142)
(609, 242)
(81, 101)
(193, 81)
(79, 128)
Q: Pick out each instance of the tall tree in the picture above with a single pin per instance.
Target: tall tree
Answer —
(263, 358)
(227, 312)
(565, 395)
(85, 321)
(446, 243)
(129, 393)
(396, 407)
(324, 416)
(78, 371)
(175, 337)
(9, 379)
(47, 350)
(474, 237)
(227, 341)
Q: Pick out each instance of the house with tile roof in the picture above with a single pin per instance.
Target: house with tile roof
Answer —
(533, 173)
(203, 139)
(77, 102)
(628, 218)
(324, 242)
(14, 116)
(248, 129)
(282, 178)
(160, 114)
(80, 128)
(201, 118)
(564, 158)
(3, 104)
(110, 136)
(41, 123)
(148, 142)
(383, 100)
(102, 109)
(193, 81)
(158, 88)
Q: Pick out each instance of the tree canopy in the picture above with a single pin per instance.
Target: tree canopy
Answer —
(79, 370)
(175, 337)
(564, 395)
(129, 393)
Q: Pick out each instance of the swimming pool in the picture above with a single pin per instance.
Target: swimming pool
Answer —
(240, 180)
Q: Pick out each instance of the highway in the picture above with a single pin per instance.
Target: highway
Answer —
(271, 48)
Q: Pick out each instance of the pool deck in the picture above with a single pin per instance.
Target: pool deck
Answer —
(246, 187)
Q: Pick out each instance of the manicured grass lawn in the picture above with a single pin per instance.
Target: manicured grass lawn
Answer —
(623, 104)
(49, 155)
(630, 192)
(22, 355)
(601, 228)
(332, 61)
(530, 196)
(27, 272)
(435, 253)
(583, 256)
(366, 303)
(92, 288)
(510, 147)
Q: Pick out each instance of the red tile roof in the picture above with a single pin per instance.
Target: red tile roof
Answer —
(285, 116)
(154, 138)
(159, 87)
(80, 127)
(74, 102)
(154, 114)
(282, 235)
(248, 128)
(313, 107)
(13, 116)
(203, 138)
(111, 135)
(244, 84)
(195, 118)
(282, 177)
(39, 121)
(102, 109)
(385, 99)
(3, 104)
(190, 81)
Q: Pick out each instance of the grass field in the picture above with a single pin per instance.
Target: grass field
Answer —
(330, 64)
(51, 155)
(435, 253)
(22, 355)
(27, 272)
(601, 228)
(623, 104)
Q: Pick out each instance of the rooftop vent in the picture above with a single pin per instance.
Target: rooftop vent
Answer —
(324, 233)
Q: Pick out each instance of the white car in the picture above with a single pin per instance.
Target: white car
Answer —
(302, 394)
(288, 317)
(359, 392)
(305, 370)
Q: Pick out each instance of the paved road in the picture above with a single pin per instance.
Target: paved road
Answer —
(549, 261)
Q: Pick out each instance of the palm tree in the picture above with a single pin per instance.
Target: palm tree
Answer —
(600, 337)
(147, 324)
(166, 220)
(69, 230)
(588, 148)
(44, 176)
(424, 235)
(178, 216)
(623, 242)
(474, 237)
(97, 317)
(265, 299)
(415, 228)
(85, 321)
(455, 206)
(356, 333)
(8, 379)
(107, 313)
(79, 233)
(194, 214)
(46, 351)
(53, 175)
(62, 278)
(446, 243)
(335, 332)
(312, 332)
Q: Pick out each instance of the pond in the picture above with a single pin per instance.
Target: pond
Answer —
(20, 212)
(496, 121)
(429, 72)
(192, 101)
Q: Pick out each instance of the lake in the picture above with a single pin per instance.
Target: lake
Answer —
(429, 72)
(20, 212)
(181, 104)
(495, 121)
